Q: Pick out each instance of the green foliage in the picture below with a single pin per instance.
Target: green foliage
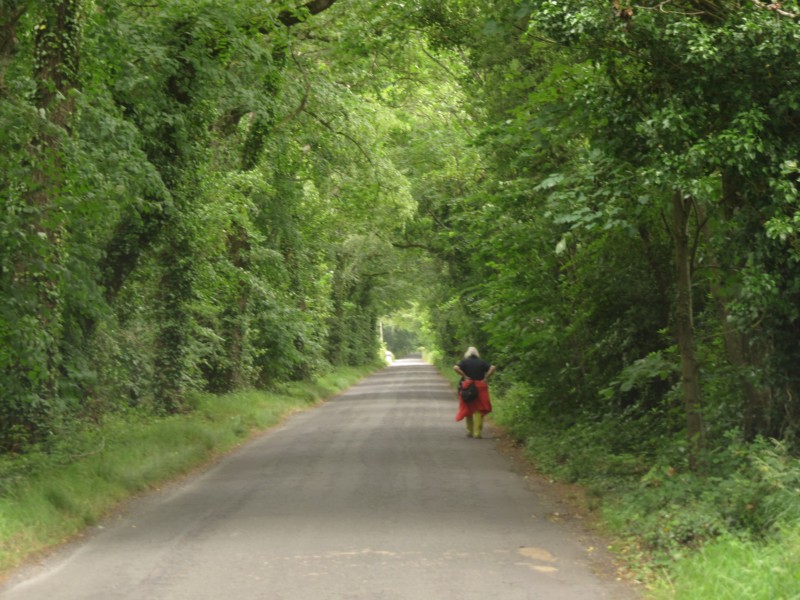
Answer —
(731, 568)
(214, 201)
(400, 340)
(657, 506)
(588, 118)
(183, 227)
(514, 410)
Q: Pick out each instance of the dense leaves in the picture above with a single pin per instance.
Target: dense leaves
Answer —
(602, 196)
(641, 183)
(195, 196)
(626, 251)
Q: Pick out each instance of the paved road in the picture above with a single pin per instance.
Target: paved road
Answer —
(377, 494)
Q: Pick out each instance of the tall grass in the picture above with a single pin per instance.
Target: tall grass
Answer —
(735, 569)
(46, 497)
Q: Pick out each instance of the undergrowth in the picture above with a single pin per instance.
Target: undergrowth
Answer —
(720, 534)
(54, 491)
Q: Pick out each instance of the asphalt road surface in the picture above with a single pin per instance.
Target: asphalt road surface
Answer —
(377, 494)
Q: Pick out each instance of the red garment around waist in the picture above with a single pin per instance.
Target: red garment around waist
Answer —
(481, 404)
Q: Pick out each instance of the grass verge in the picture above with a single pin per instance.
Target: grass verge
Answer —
(730, 533)
(47, 498)
(734, 569)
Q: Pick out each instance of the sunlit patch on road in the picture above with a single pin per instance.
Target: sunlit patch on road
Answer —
(538, 555)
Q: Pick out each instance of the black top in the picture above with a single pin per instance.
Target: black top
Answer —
(474, 367)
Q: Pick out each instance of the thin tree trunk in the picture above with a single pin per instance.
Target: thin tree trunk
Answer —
(740, 355)
(740, 349)
(236, 327)
(684, 326)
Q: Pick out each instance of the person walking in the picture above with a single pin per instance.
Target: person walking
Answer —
(473, 368)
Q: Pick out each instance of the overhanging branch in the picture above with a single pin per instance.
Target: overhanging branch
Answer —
(330, 127)
(293, 17)
(776, 7)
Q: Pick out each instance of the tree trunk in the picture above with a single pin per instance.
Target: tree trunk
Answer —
(175, 291)
(743, 357)
(9, 19)
(56, 54)
(741, 351)
(336, 321)
(684, 326)
(235, 328)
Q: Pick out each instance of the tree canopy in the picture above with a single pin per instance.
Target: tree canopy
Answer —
(209, 195)
(601, 195)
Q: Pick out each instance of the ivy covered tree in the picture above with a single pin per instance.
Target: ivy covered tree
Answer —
(182, 184)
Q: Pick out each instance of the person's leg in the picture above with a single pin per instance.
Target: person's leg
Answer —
(470, 429)
(477, 429)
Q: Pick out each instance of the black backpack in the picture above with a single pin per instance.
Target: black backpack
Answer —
(469, 391)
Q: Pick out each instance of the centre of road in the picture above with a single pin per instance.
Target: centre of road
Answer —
(376, 494)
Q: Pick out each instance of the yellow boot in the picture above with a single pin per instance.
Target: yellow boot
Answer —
(469, 426)
(478, 428)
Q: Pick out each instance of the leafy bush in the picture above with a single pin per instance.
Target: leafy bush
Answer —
(639, 473)
(513, 410)
(750, 491)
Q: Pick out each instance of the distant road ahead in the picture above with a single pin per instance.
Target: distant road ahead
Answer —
(377, 494)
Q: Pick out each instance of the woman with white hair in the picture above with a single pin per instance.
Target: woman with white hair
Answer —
(473, 369)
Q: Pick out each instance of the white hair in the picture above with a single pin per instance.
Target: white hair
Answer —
(471, 351)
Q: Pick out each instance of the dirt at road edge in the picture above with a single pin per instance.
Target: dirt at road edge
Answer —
(570, 505)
